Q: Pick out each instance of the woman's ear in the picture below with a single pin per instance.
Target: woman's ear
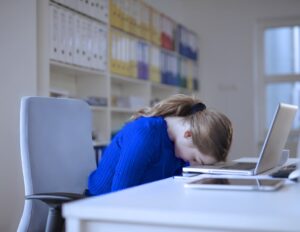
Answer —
(187, 134)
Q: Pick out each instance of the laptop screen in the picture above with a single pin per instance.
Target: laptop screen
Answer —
(276, 137)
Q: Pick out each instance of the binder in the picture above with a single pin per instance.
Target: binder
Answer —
(140, 59)
(81, 6)
(71, 3)
(123, 71)
(77, 40)
(188, 43)
(54, 32)
(130, 17)
(84, 7)
(164, 68)
(143, 60)
(183, 73)
(102, 40)
(119, 14)
(113, 51)
(146, 60)
(174, 71)
(113, 13)
(165, 33)
(154, 64)
(63, 34)
(126, 15)
(69, 37)
(127, 56)
(83, 42)
(133, 57)
(144, 21)
(155, 27)
(95, 9)
(88, 40)
(195, 77)
(98, 9)
(190, 75)
(137, 17)
(95, 46)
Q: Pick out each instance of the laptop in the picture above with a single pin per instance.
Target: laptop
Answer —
(271, 151)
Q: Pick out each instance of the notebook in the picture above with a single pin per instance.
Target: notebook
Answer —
(270, 154)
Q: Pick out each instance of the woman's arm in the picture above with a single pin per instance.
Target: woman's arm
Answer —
(138, 151)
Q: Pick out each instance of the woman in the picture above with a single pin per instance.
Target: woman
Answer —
(159, 141)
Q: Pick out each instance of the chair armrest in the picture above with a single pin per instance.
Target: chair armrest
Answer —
(55, 199)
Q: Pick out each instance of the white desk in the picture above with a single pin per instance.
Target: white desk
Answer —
(167, 206)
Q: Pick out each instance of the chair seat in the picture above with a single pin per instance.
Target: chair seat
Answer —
(57, 198)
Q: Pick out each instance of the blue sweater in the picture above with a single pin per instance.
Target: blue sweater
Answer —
(140, 153)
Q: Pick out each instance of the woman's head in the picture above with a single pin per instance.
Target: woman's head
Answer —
(210, 131)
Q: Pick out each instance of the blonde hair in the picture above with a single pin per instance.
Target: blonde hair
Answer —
(211, 130)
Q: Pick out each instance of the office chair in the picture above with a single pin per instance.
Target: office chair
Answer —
(57, 156)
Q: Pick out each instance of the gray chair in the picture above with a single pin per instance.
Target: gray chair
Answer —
(57, 156)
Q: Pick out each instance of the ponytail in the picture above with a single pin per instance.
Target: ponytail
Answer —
(179, 105)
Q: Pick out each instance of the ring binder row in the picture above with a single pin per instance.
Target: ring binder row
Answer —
(76, 39)
(97, 9)
(133, 22)
(143, 21)
(135, 58)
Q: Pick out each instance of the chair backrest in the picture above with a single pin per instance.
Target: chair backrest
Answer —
(56, 152)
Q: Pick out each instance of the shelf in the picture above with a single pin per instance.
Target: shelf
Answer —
(165, 86)
(123, 110)
(78, 12)
(124, 95)
(123, 79)
(70, 69)
(99, 108)
(187, 58)
(130, 34)
(172, 52)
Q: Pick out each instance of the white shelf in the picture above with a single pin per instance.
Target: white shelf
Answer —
(122, 79)
(53, 2)
(99, 108)
(82, 82)
(165, 87)
(123, 110)
(70, 69)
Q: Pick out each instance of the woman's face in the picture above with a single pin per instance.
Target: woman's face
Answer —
(187, 151)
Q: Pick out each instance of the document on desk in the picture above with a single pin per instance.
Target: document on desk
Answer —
(235, 183)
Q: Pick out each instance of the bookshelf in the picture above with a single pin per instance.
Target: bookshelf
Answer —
(118, 56)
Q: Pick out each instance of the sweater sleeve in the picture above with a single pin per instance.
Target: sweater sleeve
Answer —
(139, 149)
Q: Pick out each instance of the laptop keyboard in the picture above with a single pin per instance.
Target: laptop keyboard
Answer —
(284, 171)
(241, 166)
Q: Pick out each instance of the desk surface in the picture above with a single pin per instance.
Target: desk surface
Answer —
(168, 203)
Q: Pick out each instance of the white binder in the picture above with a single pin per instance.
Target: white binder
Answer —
(77, 40)
(54, 32)
(69, 37)
(71, 3)
(88, 43)
(83, 41)
(63, 34)
(104, 6)
(104, 42)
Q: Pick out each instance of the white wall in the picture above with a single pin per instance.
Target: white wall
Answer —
(17, 78)
(227, 54)
(226, 30)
